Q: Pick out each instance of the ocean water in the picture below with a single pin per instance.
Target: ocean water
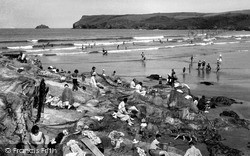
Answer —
(72, 49)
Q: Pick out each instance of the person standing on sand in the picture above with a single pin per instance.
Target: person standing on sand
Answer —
(74, 78)
(193, 151)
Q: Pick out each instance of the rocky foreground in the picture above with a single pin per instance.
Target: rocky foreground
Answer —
(166, 110)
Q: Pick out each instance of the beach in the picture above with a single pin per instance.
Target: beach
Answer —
(231, 81)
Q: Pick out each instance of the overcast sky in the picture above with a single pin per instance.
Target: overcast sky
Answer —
(63, 13)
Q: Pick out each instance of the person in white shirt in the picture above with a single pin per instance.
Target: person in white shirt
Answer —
(154, 148)
(92, 80)
(122, 112)
(138, 89)
(192, 151)
(132, 84)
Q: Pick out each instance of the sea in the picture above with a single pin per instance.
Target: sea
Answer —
(81, 49)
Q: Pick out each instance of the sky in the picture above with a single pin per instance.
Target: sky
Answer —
(63, 13)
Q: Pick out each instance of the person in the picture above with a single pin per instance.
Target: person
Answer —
(114, 72)
(202, 103)
(220, 58)
(154, 148)
(103, 72)
(192, 58)
(172, 78)
(184, 70)
(132, 83)
(122, 112)
(138, 89)
(218, 65)
(104, 52)
(208, 68)
(43, 90)
(193, 151)
(143, 56)
(160, 79)
(37, 138)
(93, 80)
(67, 97)
(203, 64)
(92, 70)
(74, 78)
(117, 46)
(173, 73)
(199, 64)
(53, 144)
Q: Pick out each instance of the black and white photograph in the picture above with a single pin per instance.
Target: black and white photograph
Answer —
(124, 78)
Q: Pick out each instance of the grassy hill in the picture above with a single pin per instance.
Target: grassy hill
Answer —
(234, 20)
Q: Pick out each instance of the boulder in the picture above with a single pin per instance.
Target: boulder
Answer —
(93, 102)
(158, 101)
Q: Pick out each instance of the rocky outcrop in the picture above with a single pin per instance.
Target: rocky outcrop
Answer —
(164, 110)
(42, 26)
(234, 20)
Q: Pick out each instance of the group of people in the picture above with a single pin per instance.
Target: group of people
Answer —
(202, 64)
(38, 141)
(155, 149)
(138, 87)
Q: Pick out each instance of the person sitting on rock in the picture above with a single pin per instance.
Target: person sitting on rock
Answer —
(132, 84)
(192, 151)
(202, 103)
(67, 97)
(55, 142)
(138, 89)
(122, 112)
(37, 138)
(155, 149)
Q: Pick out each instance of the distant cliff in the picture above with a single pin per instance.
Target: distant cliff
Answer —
(42, 27)
(234, 20)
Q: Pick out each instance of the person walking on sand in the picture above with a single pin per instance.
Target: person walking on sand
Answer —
(193, 151)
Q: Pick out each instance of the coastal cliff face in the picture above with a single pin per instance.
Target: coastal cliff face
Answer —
(237, 20)
(42, 27)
